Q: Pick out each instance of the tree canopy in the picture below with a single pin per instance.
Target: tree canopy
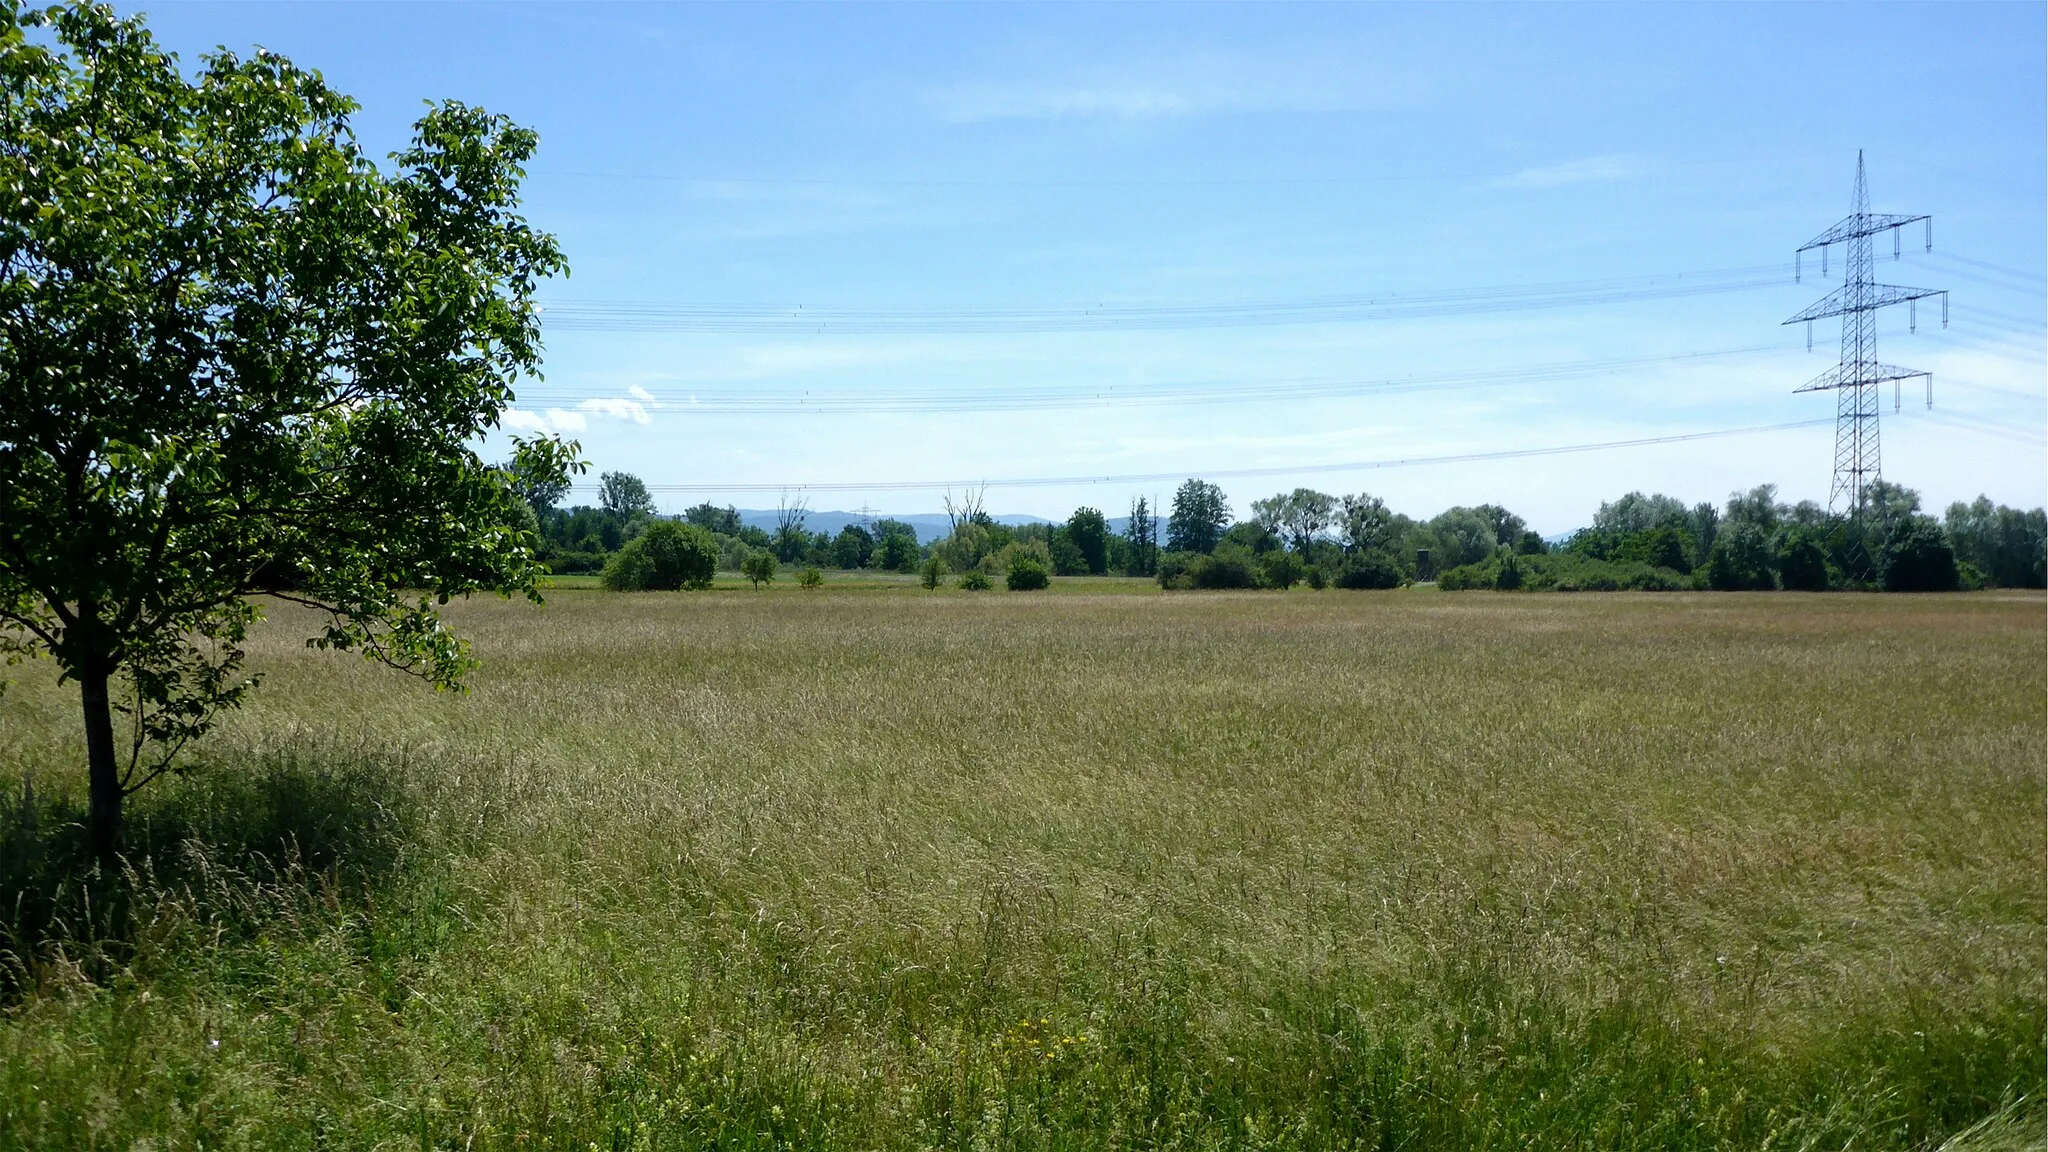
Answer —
(237, 356)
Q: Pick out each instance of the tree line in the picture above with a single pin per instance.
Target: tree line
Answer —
(1637, 542)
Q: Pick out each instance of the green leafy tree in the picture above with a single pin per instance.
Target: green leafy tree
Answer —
(1299, 517)
(759, 567)
(1141, 533)
(541, 488)
(853, 547)
(810, 577)
(1802, 561)
(1026, 574)
(1200, 514)
(724, 521)
(896, 551)
(1740, 560)
(1282, 569)
(1089, 530)
(666, 557)
(1365, 524)
(624, 496)
(1917, 558)
(238, 357)
(934, 569)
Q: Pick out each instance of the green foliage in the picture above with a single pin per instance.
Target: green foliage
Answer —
(1561, 572)
(1089, 530)
(1741, 558)
(896, 547)
(1141, 546)
(1281, 569)
(1316, 577)
(810, 577)
(2007, 546)
(759, 567)
(1802, 561)
(1253, 537)
(237, 356)
(1026, 574)
(1371, 570)
(1365, 525)
(853, 547)
(724, 521)
(933, 570)
(1299, 517)
(624, 495)
(666, 557)
(1200, 513)
(1230, 566)
(974, 580)
(1463, 536)
(1531, 544)
(1508, 574)
(1067, 558)
(1171, 569)
(1917, 558)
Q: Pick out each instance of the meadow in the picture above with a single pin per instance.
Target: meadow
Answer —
(870, 867)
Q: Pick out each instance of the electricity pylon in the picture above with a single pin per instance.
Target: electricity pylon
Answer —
(1856, 380)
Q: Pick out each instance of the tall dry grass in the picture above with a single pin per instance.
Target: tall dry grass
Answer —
(895, 869)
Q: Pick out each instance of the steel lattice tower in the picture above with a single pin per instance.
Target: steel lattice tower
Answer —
(1856, 380)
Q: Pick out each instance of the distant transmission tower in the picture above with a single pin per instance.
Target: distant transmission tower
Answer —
(1857, 378)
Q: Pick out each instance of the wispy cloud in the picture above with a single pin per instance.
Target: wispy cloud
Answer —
(976, 103)
(619, 407)
(1591, 170)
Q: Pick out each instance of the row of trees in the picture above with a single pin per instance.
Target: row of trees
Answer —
(1637, 541)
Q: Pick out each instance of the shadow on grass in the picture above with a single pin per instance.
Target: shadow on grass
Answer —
(230, 848)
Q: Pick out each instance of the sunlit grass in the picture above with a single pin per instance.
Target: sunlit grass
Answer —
(876, 867)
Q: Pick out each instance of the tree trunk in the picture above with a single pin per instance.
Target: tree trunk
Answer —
(104, 774)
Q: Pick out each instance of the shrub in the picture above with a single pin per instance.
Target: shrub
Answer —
(759, 567)
(974, 580)
(1026, 575)
(1509, 577)
(1281, 569)
(629, 570)
(1173, 568)
(1802, 562)
(1228, 567)
(929, 574)
(1316, 579)
(578, 562)
(1917, 558)
(1740, 560)
(682, 555)
(1371, 570)
(810, 577)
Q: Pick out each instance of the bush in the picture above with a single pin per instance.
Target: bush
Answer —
(810, 577)
(1509, 578)
(576, 563)
(1740, 560)
(684, 555)
(1026, 575)
(629, 570)
(1372, 570)
(1918, 558)
(1282, 570)
(1316, 579)
(1802, 562)
(974, 580)
(759, 567)
(929, 574)
(1227, 567)
(1173, 568)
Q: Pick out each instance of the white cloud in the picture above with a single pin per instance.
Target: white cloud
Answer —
(563, 420)
(618, 407)
(1591, 170)
(639, 393)
(520, 420)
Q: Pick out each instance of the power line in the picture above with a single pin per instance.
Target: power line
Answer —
(1230, 473)
(653, 316)
(722, 401)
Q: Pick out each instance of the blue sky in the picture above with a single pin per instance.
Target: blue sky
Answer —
(1043, 212)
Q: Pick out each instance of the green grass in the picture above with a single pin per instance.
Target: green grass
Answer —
(874, 868)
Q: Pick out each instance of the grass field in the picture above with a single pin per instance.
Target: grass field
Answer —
(876, 868)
